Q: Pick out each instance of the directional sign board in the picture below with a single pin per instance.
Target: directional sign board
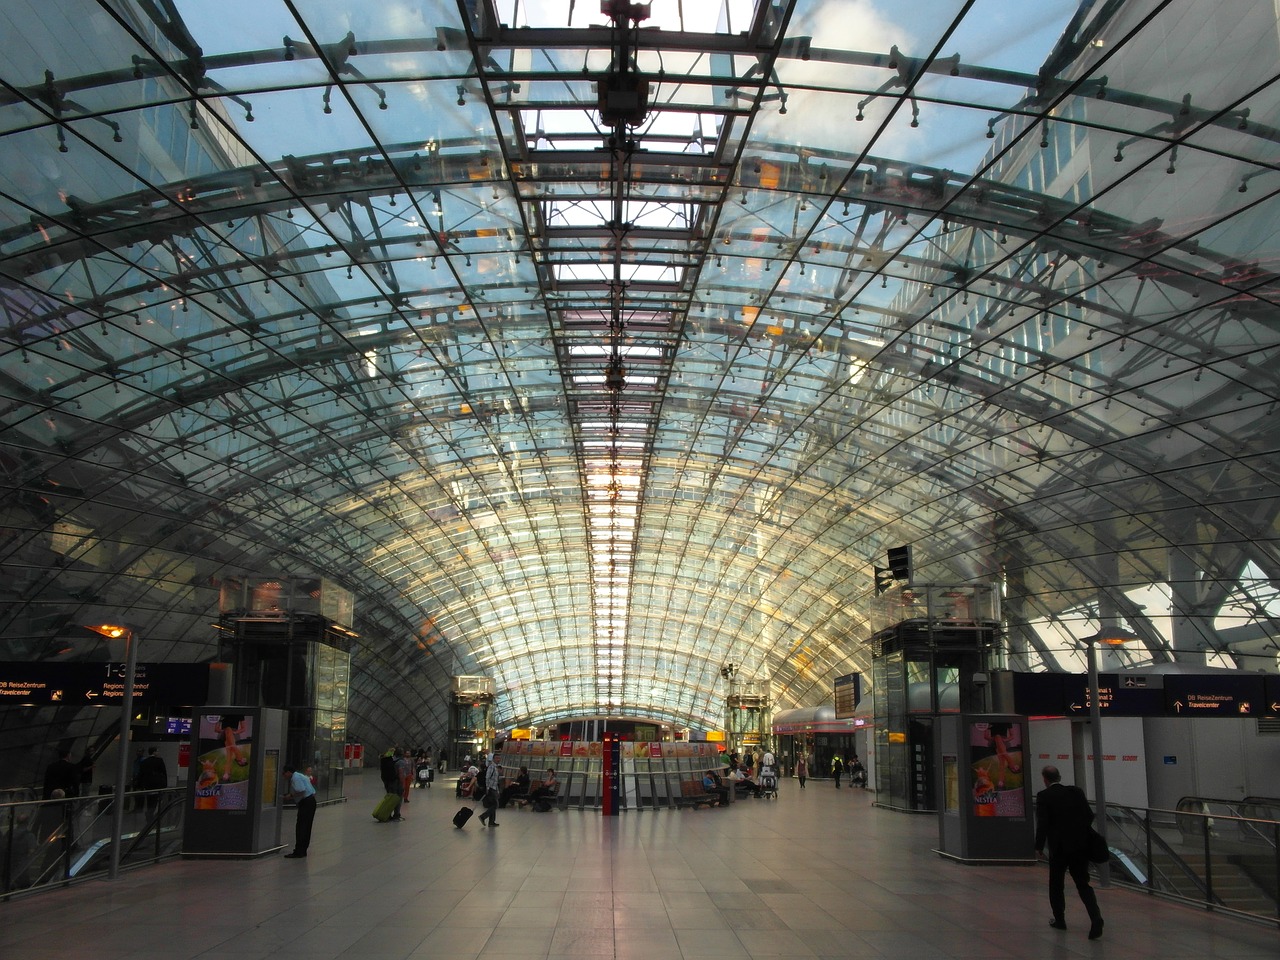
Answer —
(1115, 697)
(1067, 695)
(102, 683)
(1215, 695)
(1271, 687)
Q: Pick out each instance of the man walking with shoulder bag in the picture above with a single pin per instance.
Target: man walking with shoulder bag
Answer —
(1063, 819)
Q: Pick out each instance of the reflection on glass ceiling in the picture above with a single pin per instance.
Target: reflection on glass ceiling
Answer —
(596, 346)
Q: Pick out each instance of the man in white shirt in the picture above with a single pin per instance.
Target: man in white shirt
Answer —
(301, 791)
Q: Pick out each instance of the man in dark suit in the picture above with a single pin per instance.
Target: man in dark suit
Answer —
(62, 775)
(153, 775)
(1063, 817)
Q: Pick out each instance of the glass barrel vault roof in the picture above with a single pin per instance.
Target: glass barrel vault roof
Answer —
(596, 347)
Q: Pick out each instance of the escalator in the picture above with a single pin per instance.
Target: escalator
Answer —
(1220, 853)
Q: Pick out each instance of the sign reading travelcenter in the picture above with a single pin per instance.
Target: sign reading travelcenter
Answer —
(96, 684)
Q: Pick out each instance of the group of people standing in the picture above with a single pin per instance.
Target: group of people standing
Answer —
(395, 770)
(399, 769)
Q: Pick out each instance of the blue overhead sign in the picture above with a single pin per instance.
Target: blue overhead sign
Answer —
(101, 683)
(1148, 695)
(1214, 695)
(1039, 694)
(1115, 697)
(1271, 695)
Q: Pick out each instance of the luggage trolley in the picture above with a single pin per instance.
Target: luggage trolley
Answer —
(768, 783)
(858, 774)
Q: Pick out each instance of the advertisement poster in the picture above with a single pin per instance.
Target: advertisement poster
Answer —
(270, 777)
(222, 765)
(995, 750)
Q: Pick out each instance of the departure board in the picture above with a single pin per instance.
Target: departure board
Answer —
(848, 693)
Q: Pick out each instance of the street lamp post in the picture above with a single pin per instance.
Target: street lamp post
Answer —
(1111, 638)
(115, 632)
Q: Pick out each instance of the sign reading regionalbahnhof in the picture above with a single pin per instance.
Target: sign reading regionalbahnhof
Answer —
(101, 683)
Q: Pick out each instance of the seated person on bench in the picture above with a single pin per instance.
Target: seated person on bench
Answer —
(515, 789)
(546, 790)
(712, 784)
(743, 784)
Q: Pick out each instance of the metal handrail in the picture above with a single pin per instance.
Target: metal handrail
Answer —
(48, 843)
(1262, 808)
(1152, 839)
(1242, 850)
(1243, 812)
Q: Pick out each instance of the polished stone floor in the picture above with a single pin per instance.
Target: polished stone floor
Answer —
(815, 873)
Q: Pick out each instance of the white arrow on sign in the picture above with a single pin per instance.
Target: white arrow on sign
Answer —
(1177, 705)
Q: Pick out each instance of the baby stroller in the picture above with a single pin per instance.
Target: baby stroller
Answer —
(768, 783)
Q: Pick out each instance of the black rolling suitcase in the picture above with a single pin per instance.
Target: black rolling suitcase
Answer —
(462, 816)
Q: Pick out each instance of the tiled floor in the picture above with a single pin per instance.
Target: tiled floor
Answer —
(817, 873)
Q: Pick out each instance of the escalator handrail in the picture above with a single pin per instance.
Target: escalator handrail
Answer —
(1164, 846)
(1199, 806)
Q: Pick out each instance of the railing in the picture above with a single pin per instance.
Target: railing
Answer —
(653, 789)
(49, 843)
(1205, 852)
